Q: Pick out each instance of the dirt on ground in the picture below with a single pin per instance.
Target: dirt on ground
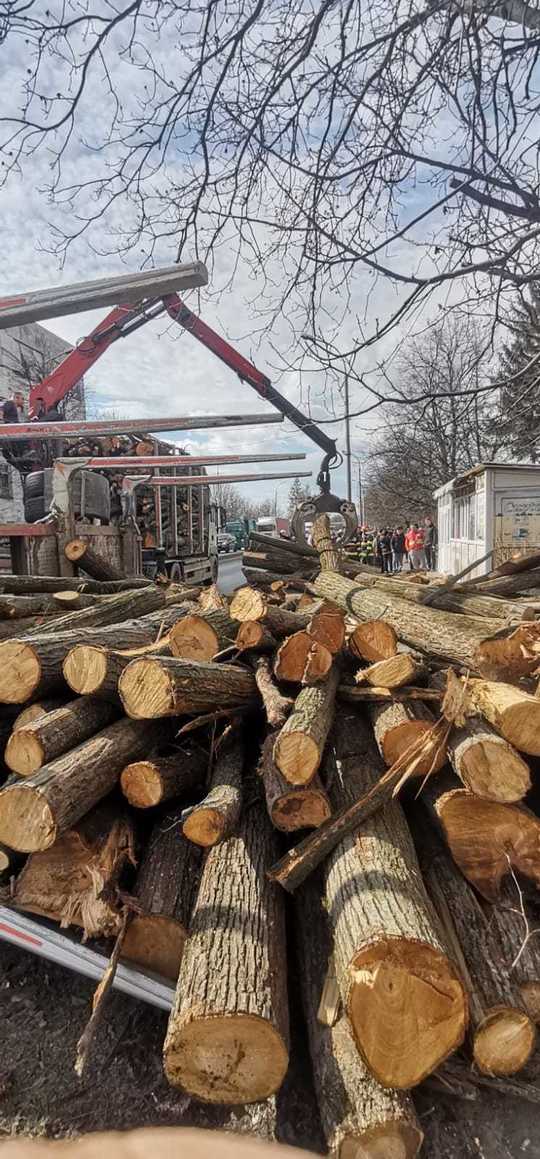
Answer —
(44, 1009)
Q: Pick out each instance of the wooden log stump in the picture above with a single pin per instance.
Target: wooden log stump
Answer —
(202, 636)
(393, 673)
(503, 1034)
(403, 996)
(373, 641)
(71, 881)
(150, 782)
(79, 552)
(359, 1117)
(299, 746)
(398, 727)
(513, 713)
(216, 817)
(94, 670)
(163, 686)
(301, 659)
(227, 1040)
(165, 891)
(35, 812)
(291, 807)
(36, 744)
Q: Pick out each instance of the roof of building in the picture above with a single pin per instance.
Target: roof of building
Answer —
(477, 470)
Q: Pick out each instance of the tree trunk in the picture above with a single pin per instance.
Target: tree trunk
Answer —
(359, 1117)
(249, 605)
(150, 782)
(274, 562)
(11, 628)
(515, 928)
(328, 627)
(291, 808)
(38, 743)
(486, 839)
(289, 546)
(76, 601)
(393, 673)
(81, 554)
(299, 745)
(506, 586)
(442, 634)
(276, 706)
(355, 695)
(162, 686)
(73, 881)
(487, 764)
(93, 670)
(202, 636)
(113, 610)
(503, 1034)
(321, 536)
(253, 635)
(217, 816)
(227, 1040)
(37, 709)
(398, 727)
(30, 584)
(265, 579)
(302, 660)
(513, 713)
(404, 998)
(165, 890)
(19, 607)
(450, 601)
(510, 655)
(373, 641)
(36, 811)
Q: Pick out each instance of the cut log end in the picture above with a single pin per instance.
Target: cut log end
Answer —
(248, 604)
(141, 784)
(389, 1140)
(504, 1041)
(194, 639)
(204, 827)
(85, 668)
(239, 1058)
(146, 690)
(156, 943)
(300, 809)
(302, 659)
(398, 740)
(24, 753)
(297, 757)
(407, 1008)
(373, 640)
(20, 672)
(26, 820)
(494, 771)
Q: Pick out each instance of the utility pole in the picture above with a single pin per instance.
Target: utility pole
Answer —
(361, 494)
(348, 440)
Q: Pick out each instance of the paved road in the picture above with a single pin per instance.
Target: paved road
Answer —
(230, 575)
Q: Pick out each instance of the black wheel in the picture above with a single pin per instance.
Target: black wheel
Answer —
(35, 508)
(34, 485)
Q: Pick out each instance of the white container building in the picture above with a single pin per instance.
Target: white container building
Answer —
(493, 507)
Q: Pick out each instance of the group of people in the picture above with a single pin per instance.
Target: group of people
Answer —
(413, 547)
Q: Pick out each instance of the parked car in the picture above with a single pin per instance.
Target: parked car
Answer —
(226, 542)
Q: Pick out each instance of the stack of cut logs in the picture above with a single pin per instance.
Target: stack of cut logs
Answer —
(162, 748)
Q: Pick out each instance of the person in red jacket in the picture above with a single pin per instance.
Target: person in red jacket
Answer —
(415, 547)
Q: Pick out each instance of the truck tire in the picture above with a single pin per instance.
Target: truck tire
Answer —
(38, 495)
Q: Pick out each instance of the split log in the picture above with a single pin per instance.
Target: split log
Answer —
(80, 553)
(487, 764)
(398, 727)
(503, 1034)
(373, 641)
(453, 600)
(486, 839)
(359, 1117)
(165, 891)
(302, 660)
(321, 537)
(94, 670)
(36, 744)
(253, 635)
(150, 782)
(403, 996)
(511, 654)
(211, 598)
(72, 882)
(430, 630)
(37, 709)
(328, 628)
(203, 635)
(216, 817)
(227, 1040)
(369, 695)
(276, 706)
(291, 807)
(35, 812)
(513, 713)
(300, 743)
(163, 686)
(393, 673)
(113, 610)
(30, 584)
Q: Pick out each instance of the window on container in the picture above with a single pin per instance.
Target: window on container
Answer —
(6, 486)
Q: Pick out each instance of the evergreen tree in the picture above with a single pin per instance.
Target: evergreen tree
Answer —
(519, 420)
(298, 494)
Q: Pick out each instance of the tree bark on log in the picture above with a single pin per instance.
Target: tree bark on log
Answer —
(66, 881)
(113, 610)
(165, 891)
(94, 670)
(488, 607)
(486, 839)
(162, 686)
(355, 695)
(36, 744)
(503, 1034)
(513, 713)
(150, 782)
(216, 817)
(505, 586)
(373, 641)
(291, 807)
(276, 562)
(201, 636)
(393, 673)
(276, 706)
(300, 743)
(81, 554)
(301, 659)
(359, 1117)
(321, 537)
(442, 634)
(486, 764)
(36, 710)
(35, 812)
(403, 996)
(14, 628)
(519, 959)
(289, 546)
(398, 727)
(227, 1040)
(25, 607)
(30, 584)
(254, 636)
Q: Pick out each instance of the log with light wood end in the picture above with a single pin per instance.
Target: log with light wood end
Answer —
(165, 890)
(328, 627)
(163, 686)
(216, 817)
(392, 673)
(291, 807)
(487, 764)
(36, 744)
(403, 996)
(511, 920)
(227, 1039)
(37, 709)
(37, 810)
(299, 746)
(398, 727)
(510, 655)
(201, 636)
(94, 670)
(373, 641)
(150, 782)
(451, 600)
(113, 610)
(254, 636)
(513, 713)
(301, 659)
(79, 552)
